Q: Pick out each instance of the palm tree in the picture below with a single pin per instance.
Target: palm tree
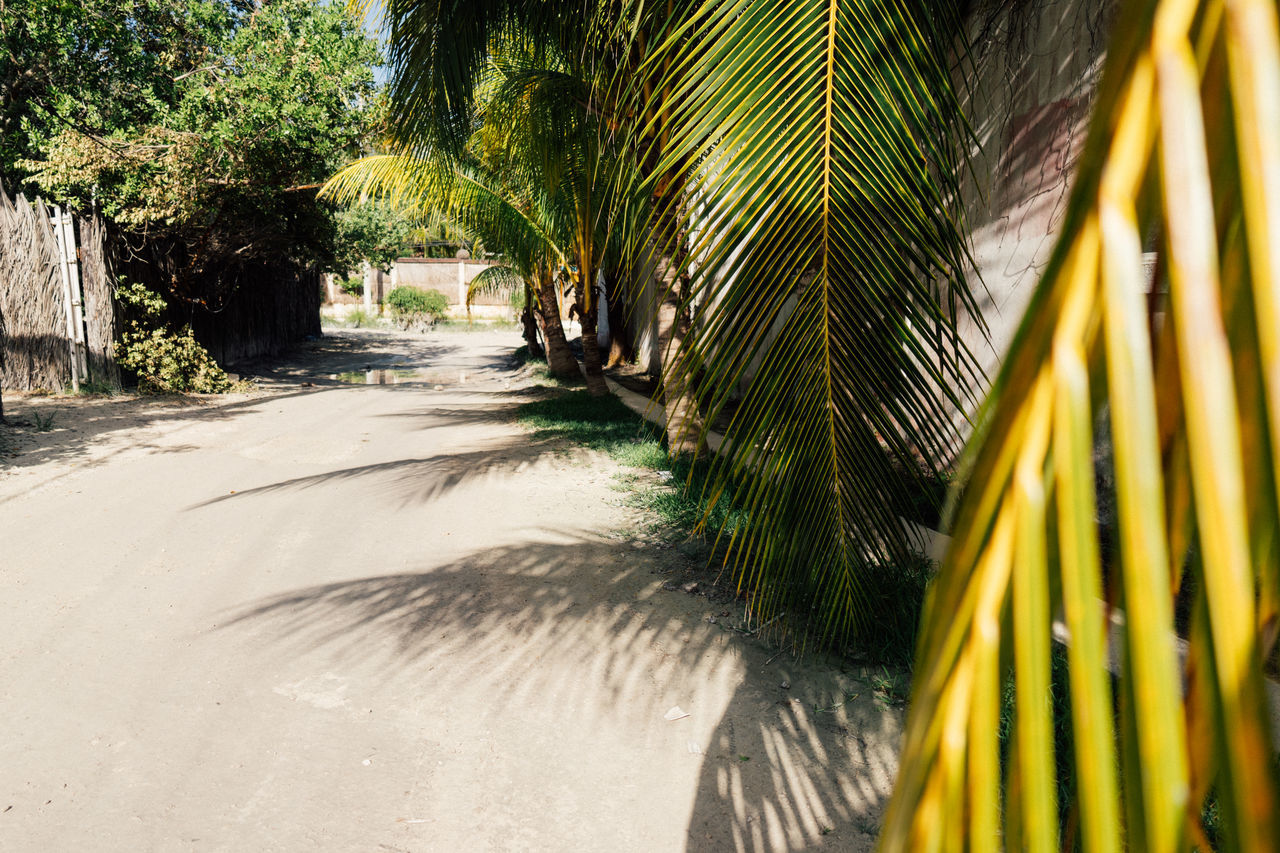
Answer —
(807, 151)
(525, 227)
(1185, 144)
(536, 180)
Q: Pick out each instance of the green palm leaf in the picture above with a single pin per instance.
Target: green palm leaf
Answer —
(819, 217)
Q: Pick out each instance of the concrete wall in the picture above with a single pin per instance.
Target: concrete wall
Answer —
(1037, 66)
(450, 276)
(447, 275)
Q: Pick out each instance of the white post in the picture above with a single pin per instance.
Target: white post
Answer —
(68, 302)
(368, 288)
(462, 282)
(77, 297)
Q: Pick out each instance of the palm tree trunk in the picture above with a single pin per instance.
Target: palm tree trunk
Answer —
(684, 421)
(591, 354)
(529, 331)
(560, 361)
(621, 345)
(529, 323)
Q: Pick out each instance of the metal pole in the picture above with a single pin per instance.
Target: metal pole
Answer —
(368, 289)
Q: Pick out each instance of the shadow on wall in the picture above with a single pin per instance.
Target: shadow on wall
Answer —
(1029, 90)
(580, 640)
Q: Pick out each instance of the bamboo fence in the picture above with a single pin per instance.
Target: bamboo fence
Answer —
(36, 300)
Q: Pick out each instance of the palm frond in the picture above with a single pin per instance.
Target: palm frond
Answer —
(439, 52)
(1184, 145)
(492, 281)
(806, 171)
(468, 195)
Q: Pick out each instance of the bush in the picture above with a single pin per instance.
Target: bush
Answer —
(163, 359)
(352, 285)
(412, 305)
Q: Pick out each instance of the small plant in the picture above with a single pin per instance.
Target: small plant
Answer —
(351, 285)
(44, 423)
(888, 688)
(164, 360)
(413, 306)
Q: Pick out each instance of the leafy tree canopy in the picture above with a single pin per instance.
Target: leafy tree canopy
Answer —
(203, 121)
(371, 232)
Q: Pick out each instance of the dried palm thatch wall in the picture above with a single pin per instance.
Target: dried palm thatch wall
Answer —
(36, 354)
(99, 302)
(237, 310)
(34, 351)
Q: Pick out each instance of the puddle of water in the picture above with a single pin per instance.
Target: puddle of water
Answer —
(377, 377)
(401, 377)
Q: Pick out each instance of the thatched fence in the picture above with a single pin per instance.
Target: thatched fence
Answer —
(56, 301)
(237, 311)
(59, 318)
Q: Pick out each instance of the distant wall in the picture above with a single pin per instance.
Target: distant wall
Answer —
(450, 276)
(447, 275)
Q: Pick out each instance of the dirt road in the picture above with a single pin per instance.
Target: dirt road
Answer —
(379, 617)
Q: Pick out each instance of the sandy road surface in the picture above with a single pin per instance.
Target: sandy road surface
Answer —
(381, 618)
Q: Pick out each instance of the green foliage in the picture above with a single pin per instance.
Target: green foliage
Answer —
(198, 120)
(597, 424)
(163, 359)
(352, 285)
(372, 233)
(413, 304)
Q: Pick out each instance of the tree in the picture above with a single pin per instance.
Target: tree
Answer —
(525, 227)
(96, 66)
(536, 181)
(371, 233)
(205, 126)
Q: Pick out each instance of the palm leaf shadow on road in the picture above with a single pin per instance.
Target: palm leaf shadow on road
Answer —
(581, 633)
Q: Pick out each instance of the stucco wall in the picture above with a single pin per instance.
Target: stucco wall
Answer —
(447, 275)
(1030, 88)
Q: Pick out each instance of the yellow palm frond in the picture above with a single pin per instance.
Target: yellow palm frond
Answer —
(1186, 145)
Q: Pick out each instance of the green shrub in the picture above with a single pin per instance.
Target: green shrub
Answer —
(164, 360)
(352, 285)
(412, 304)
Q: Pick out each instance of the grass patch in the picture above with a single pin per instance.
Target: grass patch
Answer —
(895, 599)
(103, 389)
(488, 324)
(357, 319)
(597, 423)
